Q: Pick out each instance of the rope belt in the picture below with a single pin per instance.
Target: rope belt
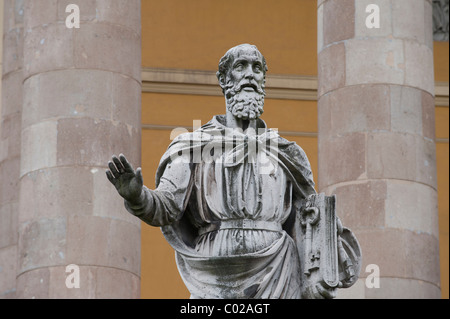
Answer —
(248, 224)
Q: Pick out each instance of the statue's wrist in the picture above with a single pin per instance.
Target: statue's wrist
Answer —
(138, 201)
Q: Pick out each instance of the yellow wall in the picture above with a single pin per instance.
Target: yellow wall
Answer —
(195, 35)
(441, 73)
(441, 64)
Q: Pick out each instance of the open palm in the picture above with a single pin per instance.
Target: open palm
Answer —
(128, 182)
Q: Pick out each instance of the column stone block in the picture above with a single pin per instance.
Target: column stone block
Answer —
(377, 149)
(82, 99)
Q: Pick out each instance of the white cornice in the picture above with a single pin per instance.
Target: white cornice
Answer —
(199, 82)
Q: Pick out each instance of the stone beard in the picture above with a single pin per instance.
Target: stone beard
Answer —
(243, 104)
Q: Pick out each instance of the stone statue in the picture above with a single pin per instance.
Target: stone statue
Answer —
(237, 202)
(440, 20)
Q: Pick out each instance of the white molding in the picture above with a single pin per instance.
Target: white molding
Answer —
(441, 91)
(157, 127)
(200, 82)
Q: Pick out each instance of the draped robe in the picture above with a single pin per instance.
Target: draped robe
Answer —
(225, 204)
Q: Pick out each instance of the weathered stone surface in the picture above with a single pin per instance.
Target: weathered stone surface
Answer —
(12, 57)
(11, 94)
(419, 63)
(126, 91)
(13, 14)
(56, 191)
(125, 13)
(340, 22)
(95, 47)
(42, 243)
(34, 284)
(399, 288)
(68, 94)
(44, 13)
(8, 225)
(412, 206)
(392, 156)
(9, 170)
(406, 109)
(387, 61)
(401, 253)
(357, 291)
(112, 283)
(349, 154)
(75, 148)
(39, 139)
(81, 103)
(9, 136)
(366, 108)
(389, 196)
(392, 288)
(428, 12)
(331, 68)
(428, 116)
(10, 140)
(95, 283)
(408, 19)
(8, 256)
(101, 241)
(48, 48)
(88, 240)
(83, 93)
(361, 204)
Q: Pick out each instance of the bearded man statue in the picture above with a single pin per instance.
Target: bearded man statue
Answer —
(237, 202)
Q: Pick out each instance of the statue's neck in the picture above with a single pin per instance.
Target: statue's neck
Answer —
(234, 122)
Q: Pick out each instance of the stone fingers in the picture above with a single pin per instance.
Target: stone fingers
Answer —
(113, 169)
(126, 165)
(118, 164)
(111, 178)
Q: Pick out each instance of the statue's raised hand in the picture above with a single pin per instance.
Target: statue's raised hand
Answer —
(128, 182)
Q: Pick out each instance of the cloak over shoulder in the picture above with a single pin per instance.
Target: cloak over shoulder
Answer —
(181, 234)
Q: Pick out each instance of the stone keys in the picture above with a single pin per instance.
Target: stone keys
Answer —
(329, 253)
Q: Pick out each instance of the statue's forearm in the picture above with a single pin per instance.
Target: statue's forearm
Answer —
(156, 208)
(142, 206)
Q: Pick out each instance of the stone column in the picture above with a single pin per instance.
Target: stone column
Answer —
(376, 140)
(10, 123)
(82, 93)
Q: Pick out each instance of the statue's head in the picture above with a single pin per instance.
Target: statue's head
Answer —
(242, 76)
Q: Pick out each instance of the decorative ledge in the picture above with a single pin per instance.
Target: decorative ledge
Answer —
(291, 87)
